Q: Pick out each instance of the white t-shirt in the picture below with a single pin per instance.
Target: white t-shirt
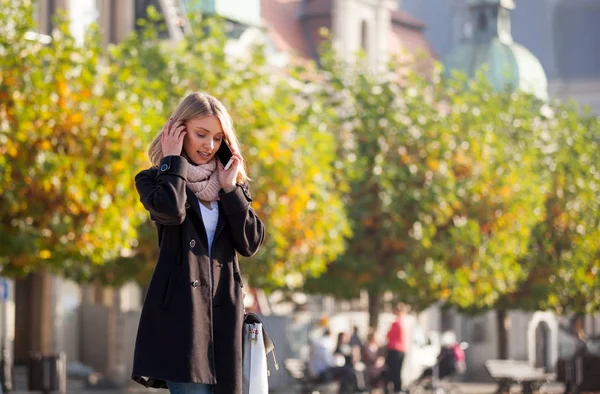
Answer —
(210, 217)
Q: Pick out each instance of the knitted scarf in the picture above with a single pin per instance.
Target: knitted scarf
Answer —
(204, 180)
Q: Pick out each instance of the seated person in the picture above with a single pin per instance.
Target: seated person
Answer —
(343, 349)
(350, 357)
(446, 362)
(322, 365)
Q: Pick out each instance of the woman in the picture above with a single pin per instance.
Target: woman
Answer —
(190, 333)
(374, 362)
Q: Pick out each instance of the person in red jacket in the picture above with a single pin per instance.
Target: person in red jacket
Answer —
(397, 338)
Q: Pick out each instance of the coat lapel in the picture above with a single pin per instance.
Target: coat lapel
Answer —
(221, 223)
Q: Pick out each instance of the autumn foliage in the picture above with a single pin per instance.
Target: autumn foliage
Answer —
(431, 189)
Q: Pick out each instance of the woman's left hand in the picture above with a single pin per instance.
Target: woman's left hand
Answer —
(228, 178)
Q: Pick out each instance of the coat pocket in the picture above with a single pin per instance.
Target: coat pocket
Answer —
(168, 293)
(171, 282)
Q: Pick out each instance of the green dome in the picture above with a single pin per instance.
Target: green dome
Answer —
(508, 65)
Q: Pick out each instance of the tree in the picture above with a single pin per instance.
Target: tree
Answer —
(564, 255)
(443, 187)
(288, 148)
(68, 151)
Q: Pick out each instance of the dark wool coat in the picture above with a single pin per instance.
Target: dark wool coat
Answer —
(188, 331)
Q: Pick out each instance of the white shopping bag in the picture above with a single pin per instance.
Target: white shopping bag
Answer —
(255, 370)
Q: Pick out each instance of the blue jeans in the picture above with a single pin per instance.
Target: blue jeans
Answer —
(189, 388)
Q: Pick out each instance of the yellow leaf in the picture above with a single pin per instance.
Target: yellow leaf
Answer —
(45, 145)
(433, 164)
(11, 150)
(45, 254)
(77, 118)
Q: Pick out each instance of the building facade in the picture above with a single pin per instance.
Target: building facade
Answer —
(380, 28)
(559, 33)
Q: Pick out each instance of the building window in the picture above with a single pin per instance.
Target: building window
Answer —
(446, 319)
(364, 36)
(43, 13)
(141, 12)
(482, 22)
(141, 7)
(478, 333)
(173, 21)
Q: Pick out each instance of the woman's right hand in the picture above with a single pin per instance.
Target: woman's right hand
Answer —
(171, 138)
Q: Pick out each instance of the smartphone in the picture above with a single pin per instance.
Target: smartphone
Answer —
(224, 154)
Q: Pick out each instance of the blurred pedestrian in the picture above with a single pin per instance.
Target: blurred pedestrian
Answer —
(189, 338)
(373, 360)
(323, 367)
(397, 338)
(355, 338)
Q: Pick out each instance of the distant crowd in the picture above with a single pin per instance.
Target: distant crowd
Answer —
(368, 366)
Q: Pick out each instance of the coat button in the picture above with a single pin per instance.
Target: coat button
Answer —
(192, 243)
(164, 167)
(187, 205)
(196, 283)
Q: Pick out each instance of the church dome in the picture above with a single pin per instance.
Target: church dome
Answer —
(508, 64)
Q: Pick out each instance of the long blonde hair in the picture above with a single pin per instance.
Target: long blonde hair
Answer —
(200, 105)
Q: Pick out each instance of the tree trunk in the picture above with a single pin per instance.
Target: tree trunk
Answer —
(34, 317)
(115, 364)
(374, 308)
(502, 325)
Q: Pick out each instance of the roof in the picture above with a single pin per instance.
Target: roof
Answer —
(295, 25)
(404, 18)
(408, 36)
(281, 19)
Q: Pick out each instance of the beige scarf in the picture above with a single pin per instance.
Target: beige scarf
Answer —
(204, 180)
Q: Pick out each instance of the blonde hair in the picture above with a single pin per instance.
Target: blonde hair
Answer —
(200, 105)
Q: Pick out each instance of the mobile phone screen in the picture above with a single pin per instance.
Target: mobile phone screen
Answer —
(224, 155)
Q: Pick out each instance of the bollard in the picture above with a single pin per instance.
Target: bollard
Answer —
(48, 373)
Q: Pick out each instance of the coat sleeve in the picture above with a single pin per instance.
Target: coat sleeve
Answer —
(247, 230)
(162, 190)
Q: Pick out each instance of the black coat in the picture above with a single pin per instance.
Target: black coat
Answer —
(189, 332)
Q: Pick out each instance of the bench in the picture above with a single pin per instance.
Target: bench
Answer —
(298, 370)
(508, 372)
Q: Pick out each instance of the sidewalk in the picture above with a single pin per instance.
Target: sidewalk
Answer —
(465, 388)
(490, 388)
